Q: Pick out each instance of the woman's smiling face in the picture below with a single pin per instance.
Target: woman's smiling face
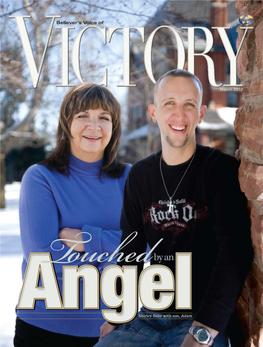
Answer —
(91, 131)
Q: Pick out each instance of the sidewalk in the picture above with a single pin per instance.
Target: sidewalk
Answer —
(10, 264)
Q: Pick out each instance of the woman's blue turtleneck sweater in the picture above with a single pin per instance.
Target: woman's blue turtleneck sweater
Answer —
(51, 201)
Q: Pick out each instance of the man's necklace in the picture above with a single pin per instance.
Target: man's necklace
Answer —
(170, 204)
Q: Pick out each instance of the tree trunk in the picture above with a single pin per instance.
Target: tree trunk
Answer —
(2, 180)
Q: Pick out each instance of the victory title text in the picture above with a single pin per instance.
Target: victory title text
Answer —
(36, 71)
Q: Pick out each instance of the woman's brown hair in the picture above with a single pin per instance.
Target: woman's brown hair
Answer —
(81, 98)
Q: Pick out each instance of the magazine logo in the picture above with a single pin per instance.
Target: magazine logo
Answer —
(106, 35)
(246, 19)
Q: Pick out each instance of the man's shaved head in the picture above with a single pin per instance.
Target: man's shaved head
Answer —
(179, 73)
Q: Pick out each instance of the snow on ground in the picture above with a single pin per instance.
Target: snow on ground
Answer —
(10, 264)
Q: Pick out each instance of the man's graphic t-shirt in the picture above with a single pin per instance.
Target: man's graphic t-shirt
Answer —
(208, 218)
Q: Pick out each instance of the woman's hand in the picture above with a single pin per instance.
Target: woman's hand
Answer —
(106, 329)
(75, 235)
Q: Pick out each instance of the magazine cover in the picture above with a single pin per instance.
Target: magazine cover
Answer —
(100, 246)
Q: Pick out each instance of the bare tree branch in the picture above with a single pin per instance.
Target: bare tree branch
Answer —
(18, 9)
(112, 10)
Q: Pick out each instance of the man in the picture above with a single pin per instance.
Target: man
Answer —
(188, 195)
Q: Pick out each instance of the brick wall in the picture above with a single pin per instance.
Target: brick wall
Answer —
(249, 130)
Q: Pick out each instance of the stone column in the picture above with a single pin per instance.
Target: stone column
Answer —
(249, 130)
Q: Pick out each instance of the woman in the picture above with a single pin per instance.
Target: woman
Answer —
(78, 188)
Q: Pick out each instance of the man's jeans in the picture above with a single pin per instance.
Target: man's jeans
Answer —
(153, 332)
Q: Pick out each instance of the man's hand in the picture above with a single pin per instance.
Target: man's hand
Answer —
(72, 234)
(189, 341)
(106, 329)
